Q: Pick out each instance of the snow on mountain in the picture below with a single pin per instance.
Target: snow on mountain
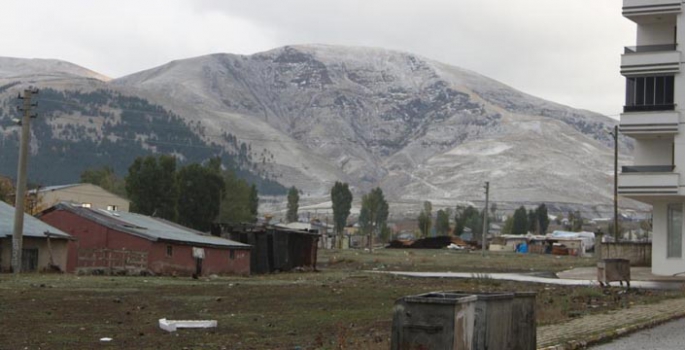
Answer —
(419, 129)
(43, 69)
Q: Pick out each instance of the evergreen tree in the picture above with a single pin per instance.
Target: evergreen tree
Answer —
(152, 188)
(201, 190)
(519, 225)
(543, 218)
(253, 202)
(341, 197)
(424, 223)
(240, 201)
(293, 205)
(426, 218)
(442, 223)
(374, 214)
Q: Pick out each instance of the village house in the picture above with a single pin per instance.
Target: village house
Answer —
(122, 242)
(44, 246)
(85, 194)
(652, 116)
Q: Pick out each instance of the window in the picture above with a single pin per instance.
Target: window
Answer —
(231, 254)
(674, 234)
(649, 94)
(112, 207)
(169, 250)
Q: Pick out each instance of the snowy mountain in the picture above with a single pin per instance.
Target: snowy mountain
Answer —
(420, 129)
(32, 70)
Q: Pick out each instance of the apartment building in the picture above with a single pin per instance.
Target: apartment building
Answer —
(653, 116)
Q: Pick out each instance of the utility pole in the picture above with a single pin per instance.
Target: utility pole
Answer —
(615, 136)
(485, 218)
(17, 236)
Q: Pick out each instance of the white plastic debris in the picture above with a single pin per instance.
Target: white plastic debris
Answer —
(172, 325)
(105, 339)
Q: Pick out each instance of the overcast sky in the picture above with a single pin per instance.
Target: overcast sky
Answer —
(567, 51)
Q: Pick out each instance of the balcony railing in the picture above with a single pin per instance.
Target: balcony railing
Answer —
(649, 48)
(648, 108)
(647, 169)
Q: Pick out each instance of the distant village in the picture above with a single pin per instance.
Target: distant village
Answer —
(84, 228)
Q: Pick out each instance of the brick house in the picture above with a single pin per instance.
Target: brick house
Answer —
(120, 241)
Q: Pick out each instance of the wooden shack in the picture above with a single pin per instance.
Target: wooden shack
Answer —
(273, 248)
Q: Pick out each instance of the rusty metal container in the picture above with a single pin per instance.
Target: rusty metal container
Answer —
(456, 320)
(611, 270)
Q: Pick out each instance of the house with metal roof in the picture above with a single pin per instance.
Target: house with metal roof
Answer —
(88, 195)
(44, 247)
(110, 241)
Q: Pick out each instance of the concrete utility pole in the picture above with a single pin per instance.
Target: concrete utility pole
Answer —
(21, 180)
(615, 135)
(485, 218)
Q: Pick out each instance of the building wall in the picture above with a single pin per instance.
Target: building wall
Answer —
(662, 265)
(84, 193)
(57, 246)
(639, 253)
(655, 34)
(653, 152)
(91, 235)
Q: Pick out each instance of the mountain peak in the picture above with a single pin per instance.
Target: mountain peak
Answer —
(44, 69)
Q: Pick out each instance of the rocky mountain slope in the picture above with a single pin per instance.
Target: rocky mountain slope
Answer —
(420, 129)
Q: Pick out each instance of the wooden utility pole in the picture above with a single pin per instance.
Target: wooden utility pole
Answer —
(17, 235)
(485, 218)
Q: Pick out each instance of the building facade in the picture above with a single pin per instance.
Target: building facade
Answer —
(44, 247)
(120, 242)
(653, 116)
(88, 195)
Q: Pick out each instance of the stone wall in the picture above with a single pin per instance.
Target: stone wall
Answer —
(639, 253)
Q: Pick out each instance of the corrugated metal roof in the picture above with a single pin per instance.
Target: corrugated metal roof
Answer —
(32, 226)
(53, 188)
(148, 227)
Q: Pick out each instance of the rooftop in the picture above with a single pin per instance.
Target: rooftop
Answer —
(151, 228)
(32, 226)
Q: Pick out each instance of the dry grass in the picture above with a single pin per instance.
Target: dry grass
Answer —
(334, 309)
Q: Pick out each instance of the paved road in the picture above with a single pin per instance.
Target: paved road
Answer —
(535, 279)
(669, 336)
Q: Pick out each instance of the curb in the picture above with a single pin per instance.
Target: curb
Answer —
(606, 336)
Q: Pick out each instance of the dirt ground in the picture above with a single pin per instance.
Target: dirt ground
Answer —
(340, 307)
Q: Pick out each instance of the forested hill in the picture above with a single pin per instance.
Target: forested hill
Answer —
(78, 130)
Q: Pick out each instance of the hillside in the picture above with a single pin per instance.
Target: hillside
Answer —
(420, 129)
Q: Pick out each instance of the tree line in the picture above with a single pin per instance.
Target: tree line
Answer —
(195, 195)
(373, 216)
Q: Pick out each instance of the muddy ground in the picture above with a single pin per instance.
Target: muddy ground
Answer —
(340, 307)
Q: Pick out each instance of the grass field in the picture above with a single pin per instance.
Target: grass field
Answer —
(341, 307)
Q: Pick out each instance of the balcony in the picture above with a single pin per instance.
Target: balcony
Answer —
(650, 11)
(648, 124)
(648, 183)
(650, 60)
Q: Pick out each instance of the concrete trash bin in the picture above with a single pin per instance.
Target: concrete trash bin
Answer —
(457, 320)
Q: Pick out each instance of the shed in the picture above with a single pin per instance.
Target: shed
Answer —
(274, 248)
(126, 242)
(44, 247)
